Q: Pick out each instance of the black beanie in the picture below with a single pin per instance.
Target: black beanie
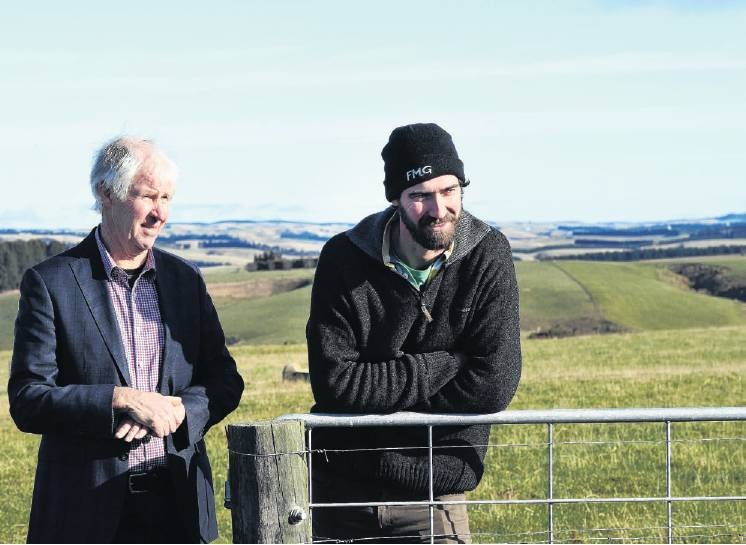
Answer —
(417, 153)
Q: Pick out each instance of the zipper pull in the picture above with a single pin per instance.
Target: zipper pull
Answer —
(426, 312)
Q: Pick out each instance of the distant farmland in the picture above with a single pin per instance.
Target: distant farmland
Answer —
(634, 296)
(554, 295)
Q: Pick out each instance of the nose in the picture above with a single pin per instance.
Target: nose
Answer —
(439, 209)
(160, 210)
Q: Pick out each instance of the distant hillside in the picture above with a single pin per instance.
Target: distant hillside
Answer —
(733, 218)
(236, 242)
(557, 299)
(642, 296)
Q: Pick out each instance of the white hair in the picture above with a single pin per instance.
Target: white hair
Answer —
(116, 165)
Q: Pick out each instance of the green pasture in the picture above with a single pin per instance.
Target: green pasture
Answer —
(239, 274)
(549, 296)
(636, 296)
(643, 296)
(8, 310)
(277, 319)
(694, 367)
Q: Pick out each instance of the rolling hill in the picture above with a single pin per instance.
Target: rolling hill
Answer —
(574, 296)
(642, 296)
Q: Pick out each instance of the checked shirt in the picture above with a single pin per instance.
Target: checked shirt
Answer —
(142, 334)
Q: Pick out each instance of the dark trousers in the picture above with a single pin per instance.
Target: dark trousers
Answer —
(383, 523)
(150, 513)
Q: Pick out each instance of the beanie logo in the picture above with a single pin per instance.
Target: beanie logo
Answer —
(419, 172)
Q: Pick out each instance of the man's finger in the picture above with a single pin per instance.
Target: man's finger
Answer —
(173, 423)
(180, 415)
(123, 429)
(132, 433)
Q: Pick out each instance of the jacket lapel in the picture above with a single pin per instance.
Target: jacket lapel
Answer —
(168, 294)
(91, 278)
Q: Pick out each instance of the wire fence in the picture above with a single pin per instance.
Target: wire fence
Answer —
(667, 531)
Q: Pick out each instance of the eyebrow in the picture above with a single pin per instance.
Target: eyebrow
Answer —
(454, 186)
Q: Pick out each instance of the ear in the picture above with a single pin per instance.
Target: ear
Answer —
(104, 194)
(395, 203)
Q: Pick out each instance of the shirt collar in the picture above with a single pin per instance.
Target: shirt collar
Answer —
(386, 245)
(386, 250)
(110, 266)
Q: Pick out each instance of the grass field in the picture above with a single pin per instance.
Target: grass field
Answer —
(684, 349)
(643, 297)
(237, 274)
(8, 310)
(278, 319)
(636, 296)
(695, 367)
(549, 296)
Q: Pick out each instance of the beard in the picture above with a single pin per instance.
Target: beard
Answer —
(424, 235)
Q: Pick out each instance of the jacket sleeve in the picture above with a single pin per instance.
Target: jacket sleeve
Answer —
(492, 342)
(342, 381)
(216, 385)
(38, 404)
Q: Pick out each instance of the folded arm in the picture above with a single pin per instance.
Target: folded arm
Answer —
(491, 368)
(342, 380)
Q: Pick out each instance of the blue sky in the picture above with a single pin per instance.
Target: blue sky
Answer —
(569, 110)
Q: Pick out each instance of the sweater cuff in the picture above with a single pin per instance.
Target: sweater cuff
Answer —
(451, 474)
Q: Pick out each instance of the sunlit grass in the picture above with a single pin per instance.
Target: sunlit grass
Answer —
(637, 296)
(702, 367)
(549, 296)
(238, 274)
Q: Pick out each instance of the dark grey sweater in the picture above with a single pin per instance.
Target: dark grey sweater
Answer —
(373, 348)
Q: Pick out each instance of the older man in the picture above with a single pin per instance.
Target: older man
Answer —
(415, 308)
(120, 363)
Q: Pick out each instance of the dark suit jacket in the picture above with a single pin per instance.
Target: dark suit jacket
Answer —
(67, 358)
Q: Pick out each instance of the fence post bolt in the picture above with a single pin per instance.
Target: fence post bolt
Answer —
(296, 515)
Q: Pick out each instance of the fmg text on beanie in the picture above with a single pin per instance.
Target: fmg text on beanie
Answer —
(417, 153)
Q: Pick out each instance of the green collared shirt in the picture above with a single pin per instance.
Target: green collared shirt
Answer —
(417, 277)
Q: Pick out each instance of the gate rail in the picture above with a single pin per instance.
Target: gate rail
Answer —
(548, 417)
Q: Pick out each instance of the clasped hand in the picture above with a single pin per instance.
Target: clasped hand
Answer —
(147, 412)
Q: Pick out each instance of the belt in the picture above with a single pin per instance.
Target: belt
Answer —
(156, 480)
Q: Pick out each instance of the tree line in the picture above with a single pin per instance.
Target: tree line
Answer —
(18, 255)
(649, 253)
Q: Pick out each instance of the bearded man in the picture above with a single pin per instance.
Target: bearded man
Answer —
(413, 309)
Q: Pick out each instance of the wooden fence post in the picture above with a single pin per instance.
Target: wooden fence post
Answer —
(268, 479)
